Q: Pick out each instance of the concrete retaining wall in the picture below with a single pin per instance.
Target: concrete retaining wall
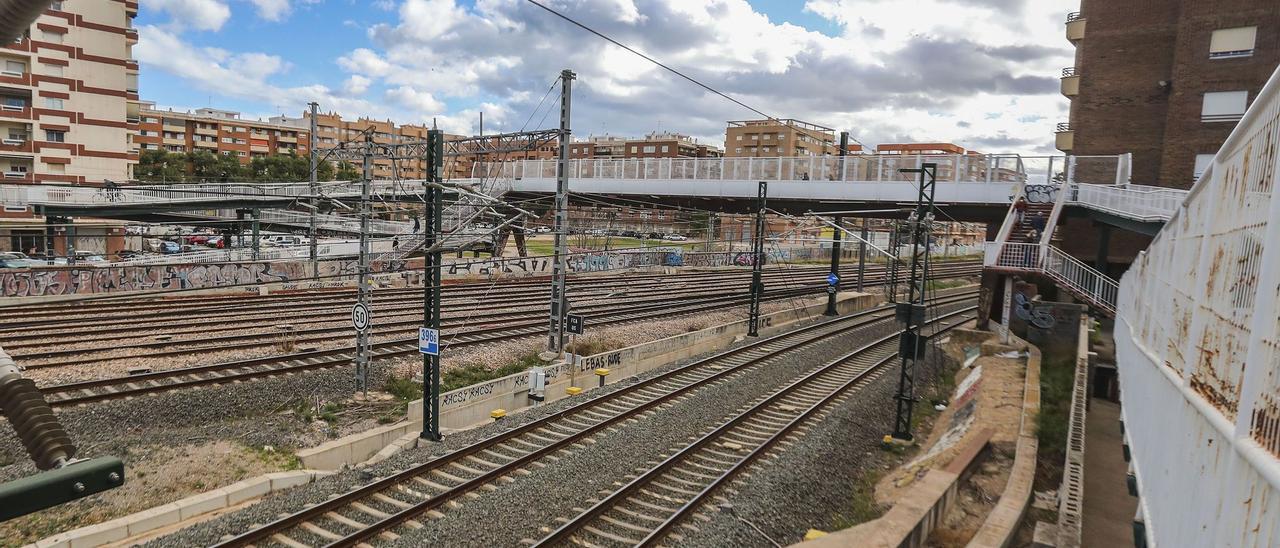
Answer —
(470, 406)
(174, 513)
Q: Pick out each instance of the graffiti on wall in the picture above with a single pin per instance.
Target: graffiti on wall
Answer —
(40, 282)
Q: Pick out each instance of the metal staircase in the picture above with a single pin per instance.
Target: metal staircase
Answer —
(1016, 248)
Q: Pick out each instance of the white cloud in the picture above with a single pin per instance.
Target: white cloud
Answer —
(925, 70)
(273, 10)
(195, 14)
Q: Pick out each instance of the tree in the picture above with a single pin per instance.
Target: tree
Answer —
(347, 171)
(158, 165)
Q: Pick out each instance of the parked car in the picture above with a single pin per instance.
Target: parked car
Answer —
(128, 254)
(169, 248)
(196, 238)
(676, 237)
(542, 229)
(217, 242)
(15, 260)
(89, 257)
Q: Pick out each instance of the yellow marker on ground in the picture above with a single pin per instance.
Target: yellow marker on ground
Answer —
(814, 533)
(573, 390)
(497, 414)
(602, 371)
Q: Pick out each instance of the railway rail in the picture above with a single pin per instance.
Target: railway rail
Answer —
(647, 510)
(377, 509)
(479, 315)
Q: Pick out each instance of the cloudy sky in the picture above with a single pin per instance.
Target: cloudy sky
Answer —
(979, 73)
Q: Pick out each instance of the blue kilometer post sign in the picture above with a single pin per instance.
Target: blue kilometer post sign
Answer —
(832, 279)
(429, 341)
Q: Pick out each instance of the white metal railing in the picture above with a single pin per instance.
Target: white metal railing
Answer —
(1141, 203)
(1198, 350)
(988, 168)
(1082, 280)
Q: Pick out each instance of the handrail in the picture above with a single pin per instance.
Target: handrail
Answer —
(1080, 279)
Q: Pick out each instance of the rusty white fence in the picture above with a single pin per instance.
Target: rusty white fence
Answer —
(1198, 346)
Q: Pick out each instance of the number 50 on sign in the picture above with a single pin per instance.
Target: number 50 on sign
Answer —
(429, 341)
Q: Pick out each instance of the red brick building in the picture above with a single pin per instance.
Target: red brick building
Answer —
(1165, 79)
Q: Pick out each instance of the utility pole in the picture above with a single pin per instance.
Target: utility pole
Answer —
(757, 265)
(833, 279)
(711, 230)
(432, 216)
(891, 288)
(912, 312)
(362, 287)
(862, 256)
(559, 301)
(311, 229)
(257, 242)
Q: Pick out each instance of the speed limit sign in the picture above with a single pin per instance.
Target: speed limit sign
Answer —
(360, 316)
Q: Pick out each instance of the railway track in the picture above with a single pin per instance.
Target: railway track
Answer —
(379, 508)
(647, 510)
(26, 321)
(113, 388)
(476, 315)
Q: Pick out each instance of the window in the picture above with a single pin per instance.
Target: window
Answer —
(226, 140)
(14, 103)
(737, 150)
(739, 137)
(1235, 42)
(55, 168)
(768, 136)
(650, 149)
(765, 149)
(53, 37)
(14, 68)
(56, 5)
(1202, 164)
(55, 136)
(755, 137)
(1224, 106)
(52, 70)
(781, 137)
(17, 168)
(633, 149)
(665, 148)
(53, 103)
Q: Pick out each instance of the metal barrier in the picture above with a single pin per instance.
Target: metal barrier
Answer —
(1140, 203)
(1081, 280)
(1198, 346)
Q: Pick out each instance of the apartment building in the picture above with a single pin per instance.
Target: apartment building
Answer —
(669, 145)
(65, 95)
(221, 132)
(1165, 79)
(785, 137)
(601, 146)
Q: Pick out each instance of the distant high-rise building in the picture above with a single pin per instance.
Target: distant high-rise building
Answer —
(1165, 80)
(68, 89)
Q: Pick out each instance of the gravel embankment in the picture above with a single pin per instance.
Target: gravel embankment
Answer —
(811, 483)
(560, 486)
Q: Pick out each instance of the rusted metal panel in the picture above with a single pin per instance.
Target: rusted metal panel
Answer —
(1198, 346)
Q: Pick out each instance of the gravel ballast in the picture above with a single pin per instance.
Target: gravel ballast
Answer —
(565, 482)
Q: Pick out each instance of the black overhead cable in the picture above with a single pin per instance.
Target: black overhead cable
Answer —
(649, 59)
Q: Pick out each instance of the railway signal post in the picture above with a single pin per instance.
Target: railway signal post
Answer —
(912, 311)
(362, 285)
(757, 265)
(559, 263)
(433, 213)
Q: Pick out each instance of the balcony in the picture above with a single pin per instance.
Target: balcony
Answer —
(175, 141)
(1070, 82)
(285, 139)
(206, 144)
(131, 36)
(1064, 137)
(1075, 27)
(212, 132)
(259, 148)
